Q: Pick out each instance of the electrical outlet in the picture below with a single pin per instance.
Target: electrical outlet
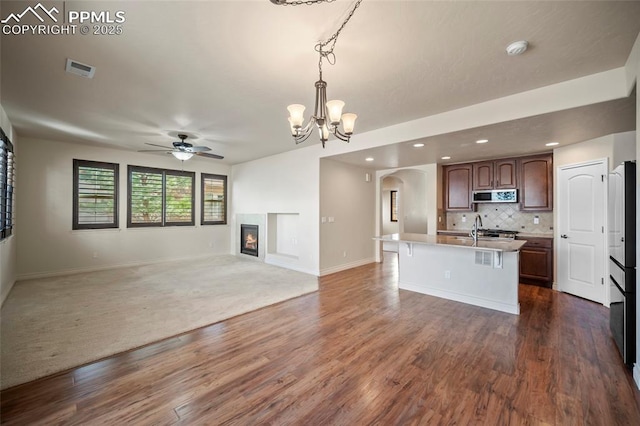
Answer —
(95, 254)
(464, 218)
(536, 220)
(344, 253)
(447, 275)
(331, 219)
(324, 219)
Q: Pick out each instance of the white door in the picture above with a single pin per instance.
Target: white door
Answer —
(581, 226)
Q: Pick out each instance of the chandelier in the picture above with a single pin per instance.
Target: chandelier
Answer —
(327, 115)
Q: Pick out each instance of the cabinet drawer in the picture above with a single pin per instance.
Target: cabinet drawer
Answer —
(537, 242)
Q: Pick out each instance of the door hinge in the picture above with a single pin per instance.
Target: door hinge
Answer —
(602, 281)
(602, 177)
(603, 229)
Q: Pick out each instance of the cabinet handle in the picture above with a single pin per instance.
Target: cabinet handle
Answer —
(565, 236)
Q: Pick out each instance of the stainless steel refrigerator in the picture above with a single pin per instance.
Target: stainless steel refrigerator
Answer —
(622, 258)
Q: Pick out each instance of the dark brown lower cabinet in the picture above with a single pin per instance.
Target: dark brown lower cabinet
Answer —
(536, 262)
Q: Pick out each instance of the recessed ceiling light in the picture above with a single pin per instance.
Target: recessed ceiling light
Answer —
(368, 159)
(418, 145)
(552, 143)
(482, 141)
(446, 158)
(517, 48)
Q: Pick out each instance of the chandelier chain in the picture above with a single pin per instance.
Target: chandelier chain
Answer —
(334, 38)
(320, 47)
(299, 3)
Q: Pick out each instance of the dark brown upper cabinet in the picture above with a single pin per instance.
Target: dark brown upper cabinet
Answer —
(457, 187)
(536, 183)
(498, 174)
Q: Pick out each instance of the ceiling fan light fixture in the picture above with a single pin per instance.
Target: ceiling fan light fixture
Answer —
(181, 155)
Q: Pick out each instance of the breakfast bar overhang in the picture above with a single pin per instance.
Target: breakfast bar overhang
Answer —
(482, 273)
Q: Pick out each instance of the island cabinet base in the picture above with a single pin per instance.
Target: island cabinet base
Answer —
(478, 277)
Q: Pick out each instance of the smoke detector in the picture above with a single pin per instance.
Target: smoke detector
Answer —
(83, 70)
(517, 48)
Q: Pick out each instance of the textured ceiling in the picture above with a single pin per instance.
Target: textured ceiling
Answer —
(225, 71)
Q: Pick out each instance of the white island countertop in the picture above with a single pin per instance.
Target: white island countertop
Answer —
(484, 243)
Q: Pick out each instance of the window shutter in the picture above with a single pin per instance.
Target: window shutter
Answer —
(159, 197)
(214, 199)
(146, 197)
(95, 195)
(7, 176)
(179, 202)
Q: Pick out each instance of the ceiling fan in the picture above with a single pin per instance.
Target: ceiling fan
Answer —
(184, 150)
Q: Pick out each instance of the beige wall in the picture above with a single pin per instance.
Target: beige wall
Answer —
(45, 241)
(616, 148)
(8, 246)
(349, 199)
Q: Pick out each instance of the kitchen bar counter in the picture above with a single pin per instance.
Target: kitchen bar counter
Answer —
(450, 267)
(484, 243)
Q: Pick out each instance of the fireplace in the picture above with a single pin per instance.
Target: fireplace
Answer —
(249, 239)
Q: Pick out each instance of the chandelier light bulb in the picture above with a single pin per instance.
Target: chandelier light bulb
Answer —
(348, 122)
(324, 132)
(334, 108)
(296, 115)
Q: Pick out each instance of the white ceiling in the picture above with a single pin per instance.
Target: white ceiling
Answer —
(224, 71)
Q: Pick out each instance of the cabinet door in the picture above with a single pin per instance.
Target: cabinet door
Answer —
(536, 183)
(457, 187)
(534, 263)
(482, 175)
(505, 174)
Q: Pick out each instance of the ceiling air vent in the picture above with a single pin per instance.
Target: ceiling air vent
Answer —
(83, 70)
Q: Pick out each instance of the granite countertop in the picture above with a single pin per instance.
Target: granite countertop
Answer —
(485, 243)
(519, 235)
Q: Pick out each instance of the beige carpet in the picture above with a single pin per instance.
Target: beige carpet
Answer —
(50, 325)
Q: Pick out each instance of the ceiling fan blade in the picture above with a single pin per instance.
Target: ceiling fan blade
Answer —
(161, 146)
(204, 154)
(154, 150)
(198, 149)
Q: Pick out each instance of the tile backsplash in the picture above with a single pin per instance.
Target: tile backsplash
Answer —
(503, 216)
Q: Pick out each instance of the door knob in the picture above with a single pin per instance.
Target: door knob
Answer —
(564, 236)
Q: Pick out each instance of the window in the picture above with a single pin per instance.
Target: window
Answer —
(160, 197)
(7, 174)
(95, 195)
(214, 199)
(394, 206)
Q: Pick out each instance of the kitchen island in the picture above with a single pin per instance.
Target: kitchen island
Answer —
(482, 273)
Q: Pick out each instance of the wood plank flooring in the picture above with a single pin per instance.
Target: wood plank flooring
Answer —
(357, 352)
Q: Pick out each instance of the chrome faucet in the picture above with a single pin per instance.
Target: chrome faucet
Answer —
(474, 230)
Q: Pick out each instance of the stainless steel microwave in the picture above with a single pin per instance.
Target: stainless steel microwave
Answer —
(496, 196)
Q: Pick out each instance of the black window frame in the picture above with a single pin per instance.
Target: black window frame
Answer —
(393, 202)
(164, 172)
(7, 186)
(77, 164)
(203, 200)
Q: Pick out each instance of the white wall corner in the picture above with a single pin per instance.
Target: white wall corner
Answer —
(632, 66)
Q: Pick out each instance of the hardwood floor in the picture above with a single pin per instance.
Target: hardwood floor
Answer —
(357, 352)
